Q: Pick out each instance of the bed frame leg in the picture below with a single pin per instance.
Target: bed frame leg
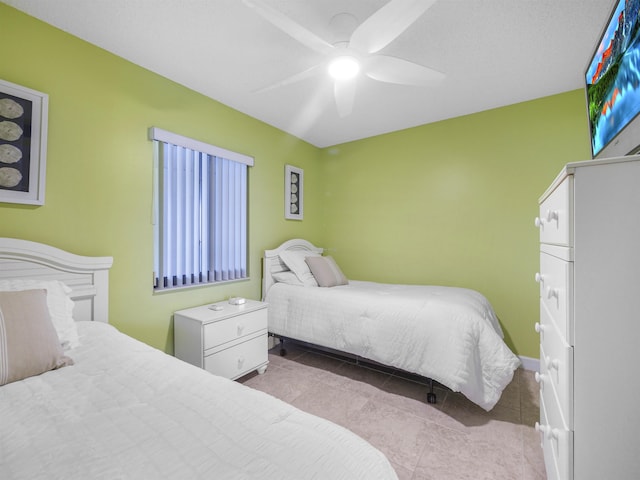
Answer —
(431, 396)
(283, 351)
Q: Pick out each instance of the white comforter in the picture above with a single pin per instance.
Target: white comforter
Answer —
(127, 411)
(448, 334)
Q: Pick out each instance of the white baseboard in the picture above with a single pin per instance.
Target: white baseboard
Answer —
(529, 363)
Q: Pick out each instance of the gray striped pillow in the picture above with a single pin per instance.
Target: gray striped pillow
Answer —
(326, 271)
(29, 344)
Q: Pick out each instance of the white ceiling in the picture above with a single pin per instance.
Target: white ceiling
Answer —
(494, 53)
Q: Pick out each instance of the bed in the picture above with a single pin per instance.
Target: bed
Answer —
(113, 407)
(447, 334)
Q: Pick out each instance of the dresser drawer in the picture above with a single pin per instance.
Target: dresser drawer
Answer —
(557, 443)
(556, 368)
(550, 457)
(218, 333)
(554, 220)
(235, 361)
(556, 292)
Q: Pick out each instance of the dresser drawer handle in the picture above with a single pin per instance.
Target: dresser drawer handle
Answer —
(539, 278)
(552, 363)
(240, 330)
(540, 328)
(552, 215)
(553, 292)
(540, 379)
(240, 362)
(539, 222)
(553, 433)
(547, 431)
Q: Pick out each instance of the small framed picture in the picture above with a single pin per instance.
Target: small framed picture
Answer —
(293, 193)
(23, 144)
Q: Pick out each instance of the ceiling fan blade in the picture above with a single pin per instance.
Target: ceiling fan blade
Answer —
(345, 94)
(288, 26)
(385, 25)
(395, 70)
(309, 72)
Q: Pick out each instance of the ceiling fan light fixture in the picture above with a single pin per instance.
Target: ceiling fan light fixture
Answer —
(344, 67)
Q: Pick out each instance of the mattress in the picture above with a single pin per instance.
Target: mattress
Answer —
(449, 334)
(128, 411)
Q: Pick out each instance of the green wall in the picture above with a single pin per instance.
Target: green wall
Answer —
(449, 203)
(453, 203)
(99, 168)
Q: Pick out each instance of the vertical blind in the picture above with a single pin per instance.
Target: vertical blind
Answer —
(201, 228)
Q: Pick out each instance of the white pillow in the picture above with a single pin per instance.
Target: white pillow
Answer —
(294, 260)
(59, 303)
(289, 278)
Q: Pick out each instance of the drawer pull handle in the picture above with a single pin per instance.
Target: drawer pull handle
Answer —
(539, 328)
(240, 329)
(539, 222)
(552, 363)
(553, 433)
(553, 292)
(240, 362)
(547, 431)
(552, 215)
(540, 379)
(539, 278)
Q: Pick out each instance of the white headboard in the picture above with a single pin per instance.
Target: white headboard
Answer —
(88, 277)
(271, 262)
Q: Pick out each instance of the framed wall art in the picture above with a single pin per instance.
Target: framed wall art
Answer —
(23, 144)
(293, 192)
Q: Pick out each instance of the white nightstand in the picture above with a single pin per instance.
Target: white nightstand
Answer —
(230, 342)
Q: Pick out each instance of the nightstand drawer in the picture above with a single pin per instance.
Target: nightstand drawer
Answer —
(225, 339)
(235, 361)
(219, 333)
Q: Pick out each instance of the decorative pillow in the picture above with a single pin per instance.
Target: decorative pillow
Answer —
(294, 260)
(289, 278)
(59, 303)
(29, 343)
(326, 271)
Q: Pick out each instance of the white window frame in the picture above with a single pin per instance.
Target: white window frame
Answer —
(209, 207)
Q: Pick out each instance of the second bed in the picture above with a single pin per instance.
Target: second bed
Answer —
(447, 334)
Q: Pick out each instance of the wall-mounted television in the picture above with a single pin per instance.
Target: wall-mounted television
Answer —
(612, 81)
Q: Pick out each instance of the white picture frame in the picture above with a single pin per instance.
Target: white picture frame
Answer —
(23, 144)
(293, 193)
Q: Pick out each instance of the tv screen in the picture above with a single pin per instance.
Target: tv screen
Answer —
(613, 84)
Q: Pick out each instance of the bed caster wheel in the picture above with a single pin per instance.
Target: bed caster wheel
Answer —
(283, 352)
(431, 397)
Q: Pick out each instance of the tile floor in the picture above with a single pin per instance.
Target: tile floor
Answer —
(453, 439)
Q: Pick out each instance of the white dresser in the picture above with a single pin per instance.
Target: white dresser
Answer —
(590, 321)
(224, 339)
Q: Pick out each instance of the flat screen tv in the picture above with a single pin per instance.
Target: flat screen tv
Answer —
(613, 84)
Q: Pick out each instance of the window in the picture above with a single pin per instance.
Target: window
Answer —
(200, 212)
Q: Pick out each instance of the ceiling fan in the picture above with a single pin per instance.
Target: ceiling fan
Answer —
(347, 57)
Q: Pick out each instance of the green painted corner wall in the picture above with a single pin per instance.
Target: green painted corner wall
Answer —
(449, 203)
(99, 168)
(453, 203)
